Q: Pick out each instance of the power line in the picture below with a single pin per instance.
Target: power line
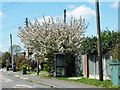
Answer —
(11, 6)
(11, 27)
(60, 4)
(12, 3)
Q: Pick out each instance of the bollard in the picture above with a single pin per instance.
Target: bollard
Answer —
(7, 68)
(14, 68)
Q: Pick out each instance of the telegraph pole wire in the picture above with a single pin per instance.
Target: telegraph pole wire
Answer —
(10, 6)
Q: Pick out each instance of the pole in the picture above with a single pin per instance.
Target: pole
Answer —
(64, 15)
(99, 41)
(43, 15)
(28, 47)
(11, 50)
(26, 22)
(64, 27)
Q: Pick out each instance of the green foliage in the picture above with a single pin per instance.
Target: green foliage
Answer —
(24, 65)
(44, 74)
(20, 62)
(31, 72)
(32, 65)
(17, 69)
(115, 52)
(108, 42)
(49, 63)
(6, 56)
(70, 63)
(89, 45)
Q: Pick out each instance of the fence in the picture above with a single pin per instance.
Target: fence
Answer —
(93, 66)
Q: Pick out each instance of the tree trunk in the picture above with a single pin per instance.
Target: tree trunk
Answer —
(37, 67)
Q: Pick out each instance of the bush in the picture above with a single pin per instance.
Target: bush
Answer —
(20, 61)
(48, 64)
(17, 69)
(108, 42)
(33, 65)
(24, 65)
(70, 63)
(4, 57)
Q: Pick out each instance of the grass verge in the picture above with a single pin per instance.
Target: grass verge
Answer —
(43, 73)
(39, 83)
(31, 72)
(88, 81)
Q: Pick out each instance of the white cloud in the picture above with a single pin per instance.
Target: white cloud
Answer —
(71, 6)
(114, 5)
(1, 14)
(83, 11)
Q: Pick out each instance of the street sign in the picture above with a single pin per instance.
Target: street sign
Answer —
(7, 60)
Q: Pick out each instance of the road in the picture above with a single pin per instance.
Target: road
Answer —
(9, 81)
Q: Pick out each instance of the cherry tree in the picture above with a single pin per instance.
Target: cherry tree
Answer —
(53, 35)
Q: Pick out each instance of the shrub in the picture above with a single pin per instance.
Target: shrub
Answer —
(20, 62)
(4, 57)
(108, 43)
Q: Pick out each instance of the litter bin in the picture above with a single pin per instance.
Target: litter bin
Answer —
(14, 68)
(24, 70)
(115, 72)
(7, 68)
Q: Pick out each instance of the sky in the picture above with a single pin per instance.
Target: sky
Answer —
(13, 14)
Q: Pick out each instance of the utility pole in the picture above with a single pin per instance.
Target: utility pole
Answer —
(28, 46)
(99, 41)
(64, 15)
(64, 27)
(43, 15)
(11, 50)
(26, 22)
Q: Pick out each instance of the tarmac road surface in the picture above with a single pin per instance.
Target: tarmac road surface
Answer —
(8, 81)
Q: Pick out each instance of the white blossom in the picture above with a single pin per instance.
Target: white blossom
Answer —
(53, 35)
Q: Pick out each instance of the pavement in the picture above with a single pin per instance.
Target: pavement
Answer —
(48, 82)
